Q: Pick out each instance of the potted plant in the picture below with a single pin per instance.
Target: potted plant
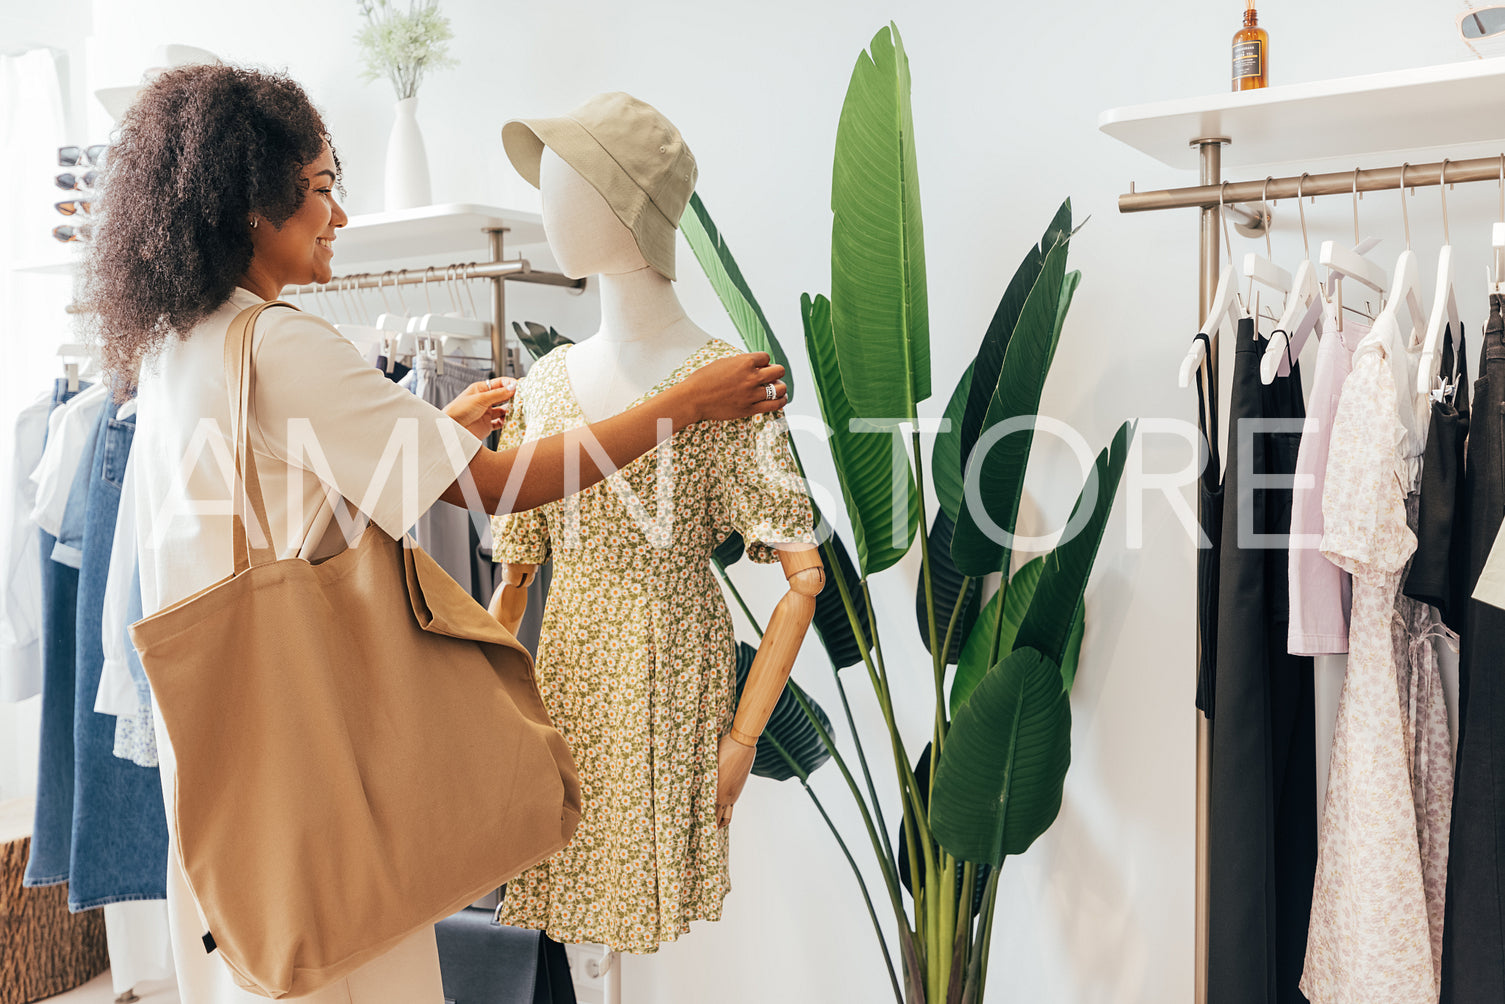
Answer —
(403, 45)
(990, 781)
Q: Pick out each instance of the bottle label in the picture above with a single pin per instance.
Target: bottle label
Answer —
(1248, 58)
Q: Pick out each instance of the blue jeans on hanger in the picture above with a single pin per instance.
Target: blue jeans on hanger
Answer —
(52, 827)
(119, 824)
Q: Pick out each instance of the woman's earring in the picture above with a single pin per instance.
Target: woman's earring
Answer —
(253, 223)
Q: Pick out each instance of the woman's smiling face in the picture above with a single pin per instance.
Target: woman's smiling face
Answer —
(301, 250)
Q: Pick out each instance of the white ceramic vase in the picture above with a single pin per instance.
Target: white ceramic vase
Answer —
(407, 179)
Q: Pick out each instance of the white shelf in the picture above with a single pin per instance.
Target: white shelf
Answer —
(453, 230)
(63, 264)
(1433, 106)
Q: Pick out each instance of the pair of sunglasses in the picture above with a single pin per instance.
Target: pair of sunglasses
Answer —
(72, 156)
(1481, 23)
(74, 206)
(77, 182)
(67, 233)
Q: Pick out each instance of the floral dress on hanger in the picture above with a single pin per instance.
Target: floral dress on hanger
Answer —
(636, 660)
(1377, 906)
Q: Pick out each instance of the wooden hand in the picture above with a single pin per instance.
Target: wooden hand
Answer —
(735, 762)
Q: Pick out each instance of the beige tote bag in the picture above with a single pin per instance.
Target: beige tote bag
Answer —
(361, 747)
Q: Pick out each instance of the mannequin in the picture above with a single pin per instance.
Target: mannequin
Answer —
(644, 336)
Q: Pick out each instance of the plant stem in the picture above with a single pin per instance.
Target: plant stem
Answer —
(803, 776)
(890, 871)
(977, 970)
(947, 939)
(937, 654)
(908, 803)
(867, 776)
(737, 595)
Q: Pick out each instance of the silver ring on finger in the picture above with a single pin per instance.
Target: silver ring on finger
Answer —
(770, 392)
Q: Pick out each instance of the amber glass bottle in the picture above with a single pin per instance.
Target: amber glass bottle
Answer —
(1251, 53)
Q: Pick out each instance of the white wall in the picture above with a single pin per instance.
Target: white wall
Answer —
(1005, 99)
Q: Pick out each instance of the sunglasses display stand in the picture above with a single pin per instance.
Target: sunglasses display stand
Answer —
(1448, 108)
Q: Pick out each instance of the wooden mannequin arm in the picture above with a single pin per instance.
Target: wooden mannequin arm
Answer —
(510, 600)
(769, 672)
(781, 642)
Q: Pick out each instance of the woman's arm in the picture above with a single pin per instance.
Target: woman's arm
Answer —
(536, 472)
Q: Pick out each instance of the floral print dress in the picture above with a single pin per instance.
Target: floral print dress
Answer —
(636, 659)
(1377, 906)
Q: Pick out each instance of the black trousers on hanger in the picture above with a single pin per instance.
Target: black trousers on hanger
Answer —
(1263, 825)
(1473, 946)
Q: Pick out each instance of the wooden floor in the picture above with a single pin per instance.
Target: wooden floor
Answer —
(99, 991)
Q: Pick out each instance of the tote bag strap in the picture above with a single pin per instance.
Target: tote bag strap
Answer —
(238, 379)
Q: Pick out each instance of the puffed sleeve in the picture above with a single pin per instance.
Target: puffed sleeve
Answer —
(759, 492)
(520, 537)
(387, 452)
(1363, 509)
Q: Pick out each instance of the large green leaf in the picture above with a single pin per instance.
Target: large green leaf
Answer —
(996, 474)
(726, 279)
(872, 484)
(995, 342)
(878, 297)
(1060, 597)
(537, 339)
(787, 725)
(946, 460)
(1015, 599)
(831, 623)
(901, 846)
(999, 782)
(946, 585)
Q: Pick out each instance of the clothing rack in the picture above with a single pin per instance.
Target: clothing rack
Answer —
(499, 270)
(1211, 197)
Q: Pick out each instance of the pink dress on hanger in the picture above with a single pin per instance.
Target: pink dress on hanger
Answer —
(1320, 590)
(1377, 904)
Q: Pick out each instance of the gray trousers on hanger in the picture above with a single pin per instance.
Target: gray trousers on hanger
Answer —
(1263, 815)
(458, 540)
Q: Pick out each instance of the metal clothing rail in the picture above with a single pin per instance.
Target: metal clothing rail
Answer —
(498, 270)
(1210, 196)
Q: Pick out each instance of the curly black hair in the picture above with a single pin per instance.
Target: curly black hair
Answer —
(200, 150)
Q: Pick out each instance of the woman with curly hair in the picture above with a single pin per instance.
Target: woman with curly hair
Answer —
(218, 193)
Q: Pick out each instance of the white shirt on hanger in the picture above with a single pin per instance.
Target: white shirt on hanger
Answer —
(21, 562)
(117, 690)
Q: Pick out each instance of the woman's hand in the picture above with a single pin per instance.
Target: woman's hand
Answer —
(735, 387)
(479, 406)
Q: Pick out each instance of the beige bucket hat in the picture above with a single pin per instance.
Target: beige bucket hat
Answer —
(629, 153)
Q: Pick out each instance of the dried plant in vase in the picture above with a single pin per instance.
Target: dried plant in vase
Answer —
(403, 45)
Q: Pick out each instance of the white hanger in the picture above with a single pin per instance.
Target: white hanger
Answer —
(1299, 318)
(1225, 300)
(365, 336)
(1263, 270)
(1444, 304)
(1341, 262)
(78, 361)
(451, 330)
(1406, 293)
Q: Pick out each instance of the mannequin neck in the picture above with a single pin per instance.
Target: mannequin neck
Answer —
(637, 306)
